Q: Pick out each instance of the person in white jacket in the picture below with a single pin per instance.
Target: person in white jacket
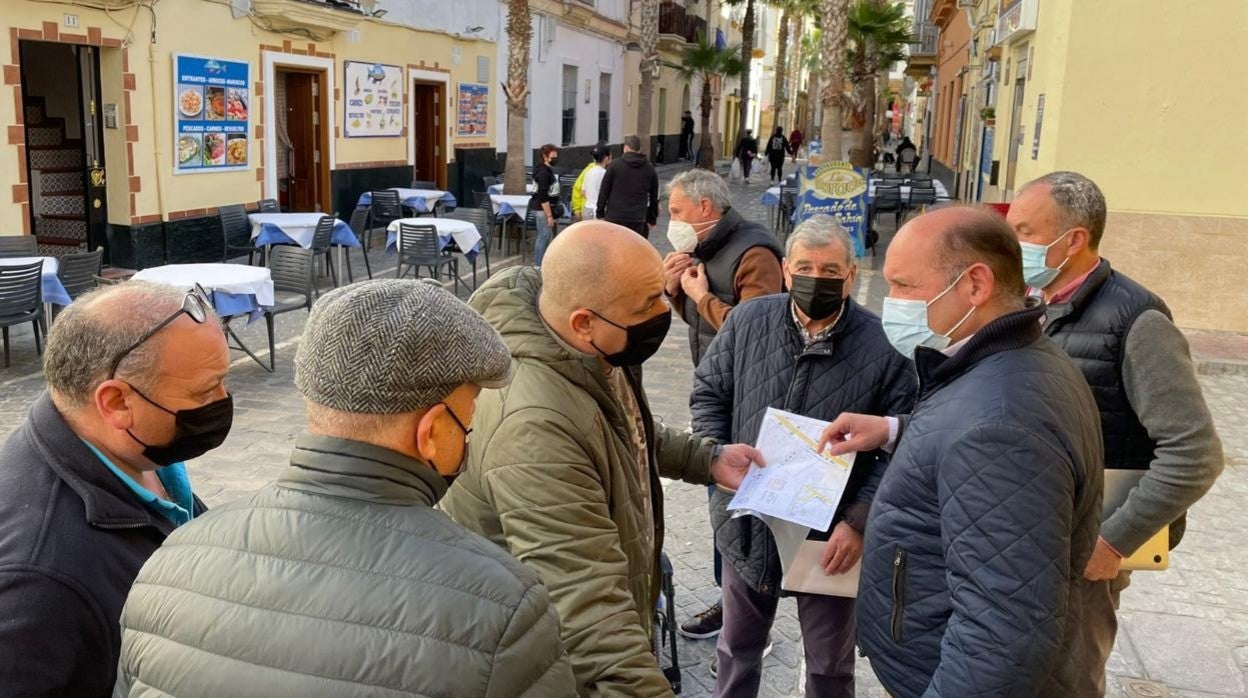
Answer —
(591, 183)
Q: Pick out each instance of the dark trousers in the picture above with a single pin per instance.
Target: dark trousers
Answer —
(827, 634)
(718, 560)
(746, 164)
(637, 227)
(777, 168)
(1095, 640)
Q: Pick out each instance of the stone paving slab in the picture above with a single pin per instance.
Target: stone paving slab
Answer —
(1185, 630)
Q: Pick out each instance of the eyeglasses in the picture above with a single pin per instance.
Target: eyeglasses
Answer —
(194, 305)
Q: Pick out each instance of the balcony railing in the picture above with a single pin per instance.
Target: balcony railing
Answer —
(676, 21)
(927, 39)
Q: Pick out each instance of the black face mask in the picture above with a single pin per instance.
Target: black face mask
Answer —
(644, 339)
(817, 297)
(195, 431)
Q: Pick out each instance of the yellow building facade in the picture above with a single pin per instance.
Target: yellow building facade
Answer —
(303, 64)
(1135, 96)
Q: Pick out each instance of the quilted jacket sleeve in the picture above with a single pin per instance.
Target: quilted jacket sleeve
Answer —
(1006, 511)
(529, 660)
(554, 515)
(710, 404)
(898, 393)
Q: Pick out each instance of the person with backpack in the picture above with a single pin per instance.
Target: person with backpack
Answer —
(777, 146)
(747, 149)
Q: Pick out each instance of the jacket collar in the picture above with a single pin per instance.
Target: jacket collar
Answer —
(336, 467)
(719, 235)
(106, 499)
(849, 313)
(1091, 286)
(1010, 331)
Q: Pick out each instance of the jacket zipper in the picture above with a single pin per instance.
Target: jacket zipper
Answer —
(899, 592)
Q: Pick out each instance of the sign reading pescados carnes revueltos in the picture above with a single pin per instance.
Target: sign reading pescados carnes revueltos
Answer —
(211, 113)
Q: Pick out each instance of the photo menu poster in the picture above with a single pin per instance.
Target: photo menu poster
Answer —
(374, 100)
(473, 103)
(212, 98)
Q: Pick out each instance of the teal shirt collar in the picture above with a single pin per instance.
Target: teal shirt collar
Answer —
(179, 509)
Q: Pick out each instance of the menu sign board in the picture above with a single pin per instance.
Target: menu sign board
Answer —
(474, 106)
(212, 98)
(374, 100)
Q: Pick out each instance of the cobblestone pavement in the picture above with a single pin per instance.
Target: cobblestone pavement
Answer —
(1186, 628)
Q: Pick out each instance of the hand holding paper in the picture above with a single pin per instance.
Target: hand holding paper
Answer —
(733, 463)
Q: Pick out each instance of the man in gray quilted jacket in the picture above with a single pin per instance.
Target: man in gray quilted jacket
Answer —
(340, 578)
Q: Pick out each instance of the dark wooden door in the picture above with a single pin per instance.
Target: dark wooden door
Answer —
(427, 130)
(93, 146)
(302, 124)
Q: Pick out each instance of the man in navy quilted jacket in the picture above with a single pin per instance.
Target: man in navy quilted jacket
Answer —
(972, 576)
(815, 352)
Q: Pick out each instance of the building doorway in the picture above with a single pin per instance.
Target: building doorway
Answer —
(64, 146)
(1016, 136)
(428, 132)
(302, 140)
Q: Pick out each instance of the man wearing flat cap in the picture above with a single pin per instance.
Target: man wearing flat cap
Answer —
(340, 578)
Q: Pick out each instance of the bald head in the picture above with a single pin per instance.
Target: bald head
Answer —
(955, 237)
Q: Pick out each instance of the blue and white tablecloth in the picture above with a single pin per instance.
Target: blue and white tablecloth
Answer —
(419, 200)
(463, 233)
(53, 290)
(236, 289)
(296, 229)
(771, 197)
(498, 188)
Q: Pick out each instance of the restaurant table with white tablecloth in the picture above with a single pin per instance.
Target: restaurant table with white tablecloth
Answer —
(419, 200)
(53, 290)
(463, 233)
(498, 188)
(296, 229)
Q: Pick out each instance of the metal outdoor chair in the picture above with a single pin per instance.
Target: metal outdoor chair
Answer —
(292, 268)
(785, 211)
(528, 232)
(19, 246)
(79, 273)
(269, 206)
(496, 223)
(890, 177)
(489, 181)
(481, 220)
(919, 180)
(887, 198)
(907, 160)
(359, 226)
(920, 197)
(384, 210)
(21, 300)
(418, 246)
(236, 234)
(322, 245)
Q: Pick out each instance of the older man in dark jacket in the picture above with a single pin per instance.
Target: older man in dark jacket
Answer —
(94, 480)
(814, 352)
(972, 577)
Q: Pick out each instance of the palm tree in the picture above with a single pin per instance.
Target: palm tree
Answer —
(782, 56)
(747, 51)
(703, 62)
(788, 53)
(649, 62)
(834, 15)
(516, 90)
(880, 33)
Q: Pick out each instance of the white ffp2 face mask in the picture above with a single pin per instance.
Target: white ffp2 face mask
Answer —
(905, 323)
(684, 237)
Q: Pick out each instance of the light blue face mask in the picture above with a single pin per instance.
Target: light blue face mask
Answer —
(1036, 271)
(905, 323)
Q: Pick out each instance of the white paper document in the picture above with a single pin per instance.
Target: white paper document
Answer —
(800, 559)
(799, 484)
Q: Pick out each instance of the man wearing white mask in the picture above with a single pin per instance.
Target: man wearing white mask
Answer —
(1121, 336)
(972, 571)
(720, 260)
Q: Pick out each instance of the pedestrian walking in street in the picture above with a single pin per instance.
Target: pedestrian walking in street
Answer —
(577, 198)
(815, 352)
(795, 142)
(545, 201)
(686, 135)
(629, 195)
(720, 260)
(972, 573)
(746, 151)
(94, 479)
(564, 465)
(590, 183)
(907, 154)
(1153, 414)
(777, 147)
(340, 578)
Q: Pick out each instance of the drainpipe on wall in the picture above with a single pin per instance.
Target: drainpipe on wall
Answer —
(156, 147)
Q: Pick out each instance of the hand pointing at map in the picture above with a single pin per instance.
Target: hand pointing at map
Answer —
(852, 433)
(732, 464)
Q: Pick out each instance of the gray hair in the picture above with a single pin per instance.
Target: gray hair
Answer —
(820, 231)
(1078, 199)
(698, 184)
(89, 334)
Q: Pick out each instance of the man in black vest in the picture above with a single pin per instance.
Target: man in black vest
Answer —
(720, 260)
(1153, 415)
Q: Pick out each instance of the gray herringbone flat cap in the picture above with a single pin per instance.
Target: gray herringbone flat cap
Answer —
(393, 346)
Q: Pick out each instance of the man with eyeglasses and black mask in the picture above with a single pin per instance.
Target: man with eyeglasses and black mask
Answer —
(817, 353)
(565, 462)
(340, 578)
(95, 479)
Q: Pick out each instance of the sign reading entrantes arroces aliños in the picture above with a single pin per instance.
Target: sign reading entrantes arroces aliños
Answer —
(837, 189)
(211, 112)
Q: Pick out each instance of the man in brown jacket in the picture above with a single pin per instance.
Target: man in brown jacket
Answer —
(720, 260)
(565, 462)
